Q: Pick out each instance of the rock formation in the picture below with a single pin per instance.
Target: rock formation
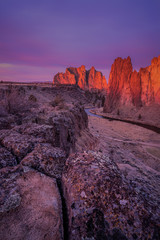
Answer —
(102, 204)
(33, 151)
(30, 205)
(53, 186)
(131, 88)
(90, 79)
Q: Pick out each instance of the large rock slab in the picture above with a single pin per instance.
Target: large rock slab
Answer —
(102, 204)
(30, 206)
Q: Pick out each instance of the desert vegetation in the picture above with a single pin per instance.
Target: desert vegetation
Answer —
(58, 102)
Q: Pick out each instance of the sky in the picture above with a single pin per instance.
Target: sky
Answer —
(40, 38)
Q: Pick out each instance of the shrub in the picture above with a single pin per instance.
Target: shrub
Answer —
(32, 98)
(139, 117)
(57, 101)
(22, 90)
(103, 100)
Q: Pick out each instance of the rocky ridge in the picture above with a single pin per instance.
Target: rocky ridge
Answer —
(90, 79)
(33, 151)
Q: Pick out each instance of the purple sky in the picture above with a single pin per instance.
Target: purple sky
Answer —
(40, 38)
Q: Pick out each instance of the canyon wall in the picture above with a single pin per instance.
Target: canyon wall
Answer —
(131, 88)
(90, 79)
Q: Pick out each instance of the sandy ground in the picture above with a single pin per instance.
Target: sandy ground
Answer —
(136, 151)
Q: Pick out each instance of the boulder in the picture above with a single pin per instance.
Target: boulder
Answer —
(30, 206)
(46, 159)
(102, 204)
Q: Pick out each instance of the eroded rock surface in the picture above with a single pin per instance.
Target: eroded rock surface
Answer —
(102, 204)
(6, 158)
(90, 79)
(30, 206)
(32, 158)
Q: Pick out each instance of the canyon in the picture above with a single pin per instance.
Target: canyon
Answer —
(128, 95)
(71, 166)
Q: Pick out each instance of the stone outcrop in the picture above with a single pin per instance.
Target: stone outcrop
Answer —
(102, 204)
(131, 88)
(60, 129)
(33, 151)
(30, 206)
(46, 159)
(90, 79)
(6, 158)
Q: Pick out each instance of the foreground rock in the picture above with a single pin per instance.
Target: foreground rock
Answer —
(90, 79)
(46, 159)
(30, 206)
(130, 88)
(6, 158)
(32, 157)
(102, 204)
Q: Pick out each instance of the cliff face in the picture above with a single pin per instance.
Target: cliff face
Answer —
(131, 88)
(81, 77)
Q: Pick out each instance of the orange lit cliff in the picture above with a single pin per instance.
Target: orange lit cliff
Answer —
(131, 88)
